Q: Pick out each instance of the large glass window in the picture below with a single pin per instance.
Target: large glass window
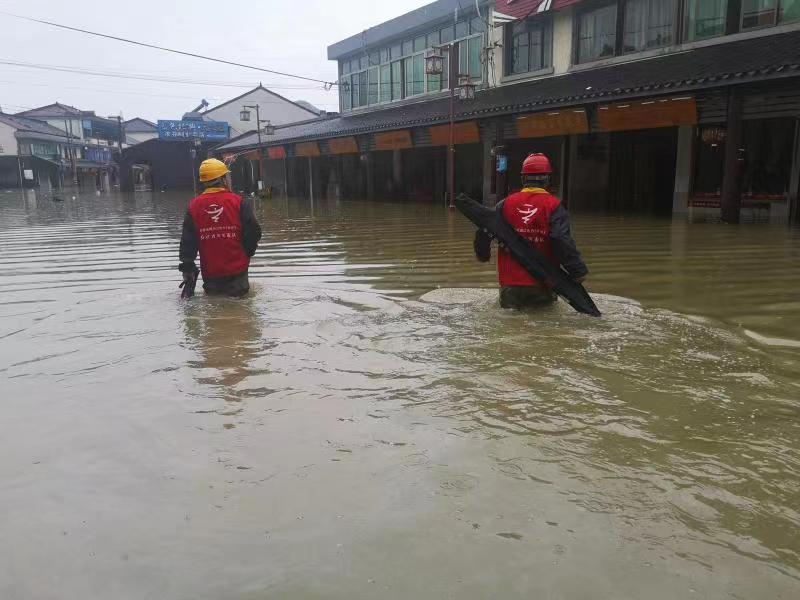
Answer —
(419, 74)
(344, 90)
(597, 33)
(759, 13)
(397, 80)
(408, 72)
(362, 88)
(354, 90)
(386, 83)
(529, 48)
(649, 24)
(789, 11)
(374, 76)
(475, 65)
(705, 18)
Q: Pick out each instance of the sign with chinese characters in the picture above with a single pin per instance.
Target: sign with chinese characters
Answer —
(648, 114)
(344, 145)
(563, 122)
(394, 140)
(206, 131)
(463, 133)
(307, 149)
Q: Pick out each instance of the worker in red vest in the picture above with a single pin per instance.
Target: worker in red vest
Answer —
(540, 218)
(222, 227)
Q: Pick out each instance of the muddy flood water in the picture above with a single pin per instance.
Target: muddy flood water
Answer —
(357, 428)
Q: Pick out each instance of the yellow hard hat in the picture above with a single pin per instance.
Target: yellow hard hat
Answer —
(212, 169)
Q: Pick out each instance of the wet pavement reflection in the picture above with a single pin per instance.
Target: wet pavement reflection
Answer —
(369, 423)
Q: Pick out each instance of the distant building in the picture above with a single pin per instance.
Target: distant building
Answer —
(273, 107)
(309, 106)
(32, 153)
(139, 130)
(98, 139)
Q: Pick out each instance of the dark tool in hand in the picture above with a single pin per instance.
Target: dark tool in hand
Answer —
(189, 283)
(536, 263)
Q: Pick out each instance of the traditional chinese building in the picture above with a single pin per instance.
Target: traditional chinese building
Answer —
(651, 107)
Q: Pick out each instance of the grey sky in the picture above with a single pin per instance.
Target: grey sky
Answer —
(284, 35)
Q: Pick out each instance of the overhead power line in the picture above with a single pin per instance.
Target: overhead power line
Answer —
(328, 84)
(143, 77)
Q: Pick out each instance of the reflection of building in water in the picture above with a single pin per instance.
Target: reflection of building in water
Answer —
(227, 336)
(643, 107)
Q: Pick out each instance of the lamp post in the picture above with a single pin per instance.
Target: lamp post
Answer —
(269, 129)
(434, 65)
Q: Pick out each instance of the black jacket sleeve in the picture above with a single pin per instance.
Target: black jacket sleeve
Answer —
(251, 230)
(190, 244)
(483, 246)
(564, 247)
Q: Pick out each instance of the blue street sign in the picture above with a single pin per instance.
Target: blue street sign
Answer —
(502, 163)
(207, 131)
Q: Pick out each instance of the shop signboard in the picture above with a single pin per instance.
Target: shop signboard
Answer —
(205, 131)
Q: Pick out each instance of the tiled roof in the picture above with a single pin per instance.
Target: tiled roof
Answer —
(752, 60)
(139, 125)
(23, 124)
(53, 110)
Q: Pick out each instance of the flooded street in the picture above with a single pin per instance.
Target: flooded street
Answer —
(356, 428)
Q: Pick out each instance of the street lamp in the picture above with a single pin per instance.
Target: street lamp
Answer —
(434, 65)
(269, 129)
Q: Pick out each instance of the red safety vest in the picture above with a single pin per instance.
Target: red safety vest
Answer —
(529, 213)
(217, 218)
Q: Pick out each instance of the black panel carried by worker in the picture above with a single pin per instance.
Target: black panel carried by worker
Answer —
(539, 217)
(222, 227)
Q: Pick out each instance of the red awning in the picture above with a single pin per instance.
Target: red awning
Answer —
(526, 8)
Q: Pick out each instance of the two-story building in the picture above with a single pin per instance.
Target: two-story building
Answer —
(98, 139)
(649, 106)
(32, 154)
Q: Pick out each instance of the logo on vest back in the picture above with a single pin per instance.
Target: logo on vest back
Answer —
(215, 212)
(527, 212)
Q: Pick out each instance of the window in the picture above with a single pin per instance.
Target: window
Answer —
(374, 59)
(433, 39)
(397, 80)
(408, 72)
(386, 83)
(419, 74)
(648, 24)
(345, 92)
(396, 52)
(363, 62)
(362, 88)
(705, 18)
(354, 81)
(374, 75)
(529, 48)
(419, 43)
(475, 66)
(789, 11)
(759, 13)
(462, 29)
(597, 33)
(446, 34)
(477, 25)
(407, 48)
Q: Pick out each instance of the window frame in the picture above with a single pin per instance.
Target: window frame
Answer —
(541, 24)
(757, 27)
(618, 28)
(676, 29)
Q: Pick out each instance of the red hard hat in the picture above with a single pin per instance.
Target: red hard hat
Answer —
(537, 164)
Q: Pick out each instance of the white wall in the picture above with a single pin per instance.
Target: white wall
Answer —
(7, 140)
(274, 108)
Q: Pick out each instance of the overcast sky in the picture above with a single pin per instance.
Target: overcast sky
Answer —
(287, 36)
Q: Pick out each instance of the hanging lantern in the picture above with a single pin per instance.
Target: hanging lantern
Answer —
(269, 128)
(434, 63)
(244, 115)
(466, 89)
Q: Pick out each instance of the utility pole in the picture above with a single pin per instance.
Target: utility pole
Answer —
(451, 154)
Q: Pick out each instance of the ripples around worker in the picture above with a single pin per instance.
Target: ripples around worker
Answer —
(222, 227)
(538, 216)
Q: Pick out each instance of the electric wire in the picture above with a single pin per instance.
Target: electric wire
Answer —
(327, 84)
